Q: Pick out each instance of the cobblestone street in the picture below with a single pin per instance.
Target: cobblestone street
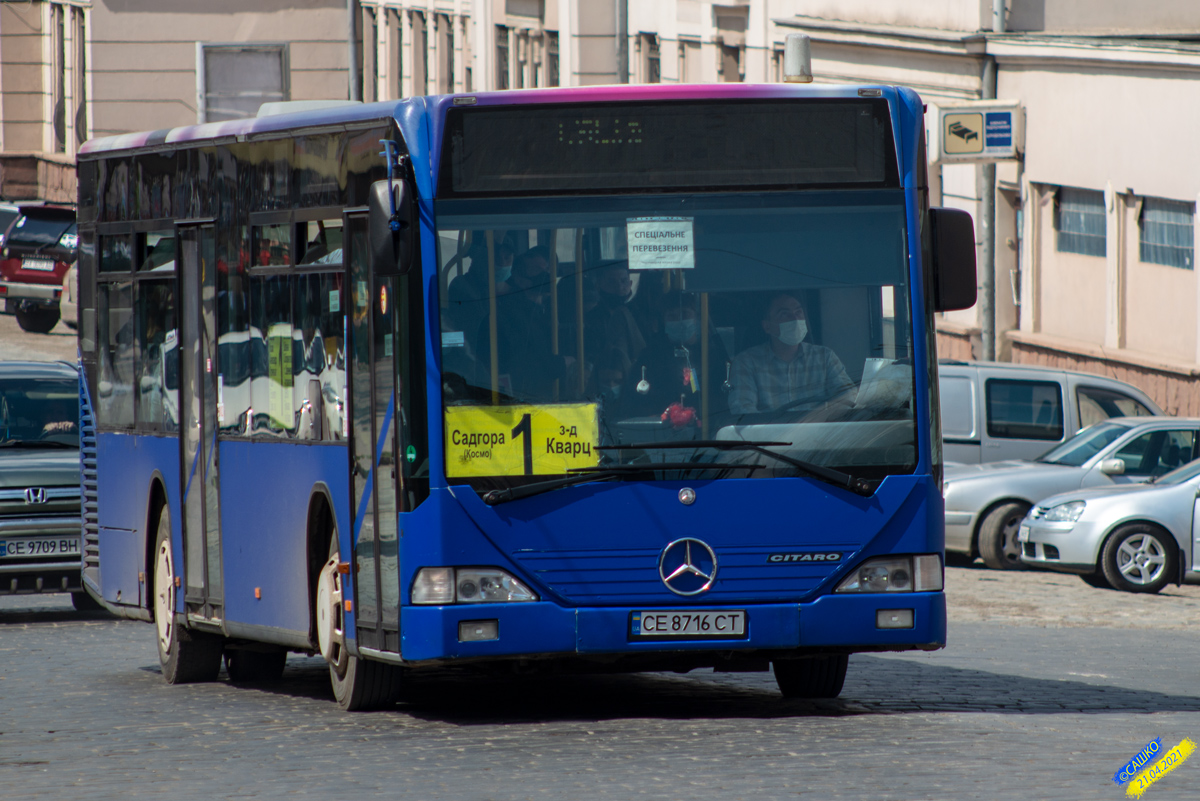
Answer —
(1028, 700)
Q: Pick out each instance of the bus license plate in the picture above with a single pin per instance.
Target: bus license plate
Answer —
(690, 624)
(40, 546)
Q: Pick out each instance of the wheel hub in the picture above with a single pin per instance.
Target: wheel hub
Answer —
(331, 635)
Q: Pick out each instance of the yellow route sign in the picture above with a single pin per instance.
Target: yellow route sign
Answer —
(520, 440)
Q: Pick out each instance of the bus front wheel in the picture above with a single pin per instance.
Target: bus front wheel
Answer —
(815, 677)
(185, 656)
(358, 684)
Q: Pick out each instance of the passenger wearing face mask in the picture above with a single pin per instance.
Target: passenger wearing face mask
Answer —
(670, 364)
(785, 371)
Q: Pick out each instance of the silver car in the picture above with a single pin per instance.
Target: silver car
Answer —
(1128, 538)
(985, 503)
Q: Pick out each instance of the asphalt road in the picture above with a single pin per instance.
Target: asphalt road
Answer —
(59, 344)
(1044, 706)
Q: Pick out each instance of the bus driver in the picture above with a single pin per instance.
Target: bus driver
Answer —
(785, 370)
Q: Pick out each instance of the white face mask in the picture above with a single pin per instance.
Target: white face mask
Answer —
(793, 332)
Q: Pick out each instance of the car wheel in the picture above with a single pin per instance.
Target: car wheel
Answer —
(815, 677)
(1139, 558)
(358, 684)
(998, 536)
(185, 656)
(37, 321)
(254, 667)
(1096, 580)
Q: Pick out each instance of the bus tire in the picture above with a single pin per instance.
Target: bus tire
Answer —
(254, 667)
(998, 536)
(358, 684)
(815, 677)
(185, 656)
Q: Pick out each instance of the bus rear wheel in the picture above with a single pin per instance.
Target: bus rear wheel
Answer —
(185, 656)
(815, 677)
(358, 684)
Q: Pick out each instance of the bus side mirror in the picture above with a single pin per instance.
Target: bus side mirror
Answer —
(392, 251)
(952, 236)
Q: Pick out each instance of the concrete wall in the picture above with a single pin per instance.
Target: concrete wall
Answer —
(1104, 16)
(143, 61)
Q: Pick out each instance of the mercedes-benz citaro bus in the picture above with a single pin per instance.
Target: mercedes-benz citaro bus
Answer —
(628, 378)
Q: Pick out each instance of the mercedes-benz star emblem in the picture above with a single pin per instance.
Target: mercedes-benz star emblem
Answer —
(688, 566)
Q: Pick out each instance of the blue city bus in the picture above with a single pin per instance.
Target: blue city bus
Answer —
(594, 379)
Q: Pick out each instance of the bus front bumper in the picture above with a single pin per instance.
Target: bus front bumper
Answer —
(846, 623)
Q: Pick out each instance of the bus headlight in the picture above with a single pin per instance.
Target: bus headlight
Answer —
(922, 573)
(468, 585)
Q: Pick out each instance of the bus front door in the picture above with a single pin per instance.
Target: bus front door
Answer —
(198, 397)
(373, 443)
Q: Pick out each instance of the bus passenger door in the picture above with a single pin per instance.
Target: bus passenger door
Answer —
(373, 446)
(198, 398)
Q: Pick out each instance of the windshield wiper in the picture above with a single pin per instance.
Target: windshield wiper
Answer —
(493, 497)
(582, 475)
(859, 486)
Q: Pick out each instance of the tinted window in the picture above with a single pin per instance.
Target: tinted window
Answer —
(1097, 405)
(116, 343)
(36, 411)
(36, 231)
(1024, 409)
(157, 365)
(1157, 452)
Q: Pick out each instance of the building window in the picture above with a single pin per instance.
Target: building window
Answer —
(80, 79)
(237, 79)
(731, 64)
(1079, 219)
(58, 27)
(501, 57)
(689, 62)
(1166, 236)
(445, 40)
(420, 49)
(551, 58)
(651, 59)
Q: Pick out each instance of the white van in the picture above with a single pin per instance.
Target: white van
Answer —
(993, 411)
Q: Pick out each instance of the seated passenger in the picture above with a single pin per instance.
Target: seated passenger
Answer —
(468, 293)
(670, 364)
(785, 371)
(609, 328)
(526, 365)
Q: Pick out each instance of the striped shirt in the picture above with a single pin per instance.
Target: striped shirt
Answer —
(763, 382)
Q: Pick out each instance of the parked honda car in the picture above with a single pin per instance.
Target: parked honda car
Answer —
(39, 247)
(993, 410)
(986, 503)
(1129, 538)
(40, 525)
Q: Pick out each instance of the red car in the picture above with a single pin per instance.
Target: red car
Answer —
(39, 247)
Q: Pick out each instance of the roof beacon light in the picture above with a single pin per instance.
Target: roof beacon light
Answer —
(797, 59)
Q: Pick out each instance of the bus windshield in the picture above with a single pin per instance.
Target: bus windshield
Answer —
(582, 324)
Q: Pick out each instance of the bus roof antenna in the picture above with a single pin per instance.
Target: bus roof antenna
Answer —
(797, 59)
